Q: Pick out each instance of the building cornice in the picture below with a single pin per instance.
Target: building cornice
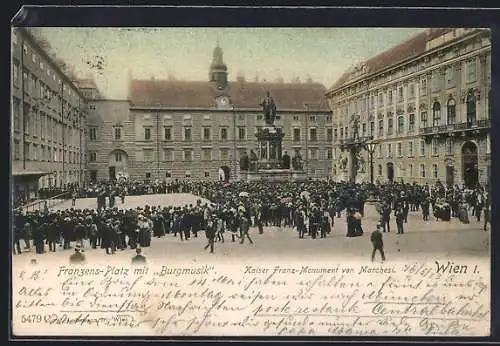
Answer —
(218, 110)
(26, 34)
(419, 73)
(413, 59)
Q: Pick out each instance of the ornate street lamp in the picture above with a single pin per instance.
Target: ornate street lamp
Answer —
(370, 147)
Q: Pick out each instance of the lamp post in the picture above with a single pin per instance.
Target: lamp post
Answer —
(370, 147)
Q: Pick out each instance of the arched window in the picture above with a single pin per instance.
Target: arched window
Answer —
(452, 111)
(436, 114)
(471, 107)
(379, 169)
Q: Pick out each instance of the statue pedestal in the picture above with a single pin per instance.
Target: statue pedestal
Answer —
(269, 164)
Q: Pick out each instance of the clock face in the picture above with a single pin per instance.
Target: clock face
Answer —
(223, 101)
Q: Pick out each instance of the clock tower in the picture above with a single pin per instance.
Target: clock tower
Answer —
(218, 71)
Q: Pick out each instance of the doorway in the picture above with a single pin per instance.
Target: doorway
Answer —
(469, 163)
(390, 172)
(224, 173)
(112, 173)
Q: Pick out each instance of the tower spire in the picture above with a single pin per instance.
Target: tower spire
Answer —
(218, 69)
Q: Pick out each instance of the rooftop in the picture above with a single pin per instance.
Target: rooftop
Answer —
(201, 94)
(408, 49)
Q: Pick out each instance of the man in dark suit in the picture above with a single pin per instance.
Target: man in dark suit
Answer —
(77, 257)
(378, 243)
(138, 258)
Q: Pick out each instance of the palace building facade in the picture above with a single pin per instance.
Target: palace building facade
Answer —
(48, 117)
(426, 103)
(198, 130)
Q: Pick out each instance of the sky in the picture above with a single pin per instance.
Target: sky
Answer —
(321, 54)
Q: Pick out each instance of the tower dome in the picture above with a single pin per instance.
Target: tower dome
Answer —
(218, 69)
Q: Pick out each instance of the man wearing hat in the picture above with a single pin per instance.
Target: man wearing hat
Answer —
(138, 258)
(378, 243)
(77, 257)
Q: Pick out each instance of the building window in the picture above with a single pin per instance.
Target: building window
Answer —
(423, 119)
(92, 156)
(313, 135)
(168, 174)
(207, 174)
(435, 81)
(329, 134)
(260, 116)
(410, 149)
(295, 118)
(187, 133)
(296, 134)
(167, 155)
(411, 91)
(389, 150)
(434, 147)
(92, 107)
(118, 133)
(400, 94)
(372, 101)
(207, 134)
(329, 154)
(400, 149)
(92, 134)
(335, 135)
(379, 151)
(411, 122)
(313, 153)
(422, 170)
(341, 132)
(450, 77)
(410, 170)
(436, 114)
(422, 147)
(451, 112)
(372, 128)
(15, 73)
(435, 171)
(381, 127)
(147, 133)
(363, 127)
(188, 155)
(380, 169)
(148, 175)
(389, 97)
(118, 156)
(423, 87)
(328, 118)
(390, 124)
(16, 149)
(148, 154)
(224, 154)
(223, 134)
(471, 107)
(449, 146)
(401, 124)
(167, 133)
(381, 100)
(207, 154)
(241, 133)
(312, 118)
(471, 71)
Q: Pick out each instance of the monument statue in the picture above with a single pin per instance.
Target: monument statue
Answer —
(253, 160)
(297, 161)
(269, 109)
(355, 126)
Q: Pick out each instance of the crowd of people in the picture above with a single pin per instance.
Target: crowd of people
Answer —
(310, 208)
